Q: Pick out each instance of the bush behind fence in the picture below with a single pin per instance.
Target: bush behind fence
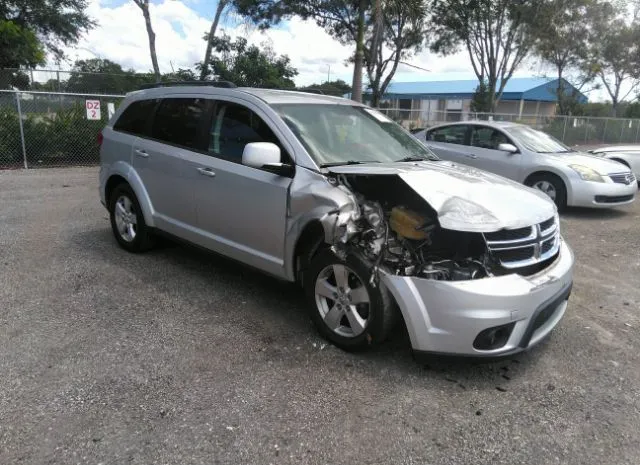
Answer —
(55, 129)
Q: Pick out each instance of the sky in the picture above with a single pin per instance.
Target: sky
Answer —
(180, 25)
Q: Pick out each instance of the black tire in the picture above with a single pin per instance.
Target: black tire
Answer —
(556, 182)
(381, 313)
(143, 240)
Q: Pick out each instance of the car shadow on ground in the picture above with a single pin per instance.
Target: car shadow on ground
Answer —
(595, 214)
(285, 303)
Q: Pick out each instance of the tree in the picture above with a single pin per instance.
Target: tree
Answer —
(337, 87)
(249, 65)
(18, 47)
(565, 31)
(374, 26)
(222, 5)
(144, 6)
(617, 60)
(54, 23)
(481, 99)
(401, 32)
(104, 76)
(495, 33)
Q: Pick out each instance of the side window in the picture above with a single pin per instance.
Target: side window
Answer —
(235, 126)
(487, 138)
(449, 134)
(178, 121)
(135, 117)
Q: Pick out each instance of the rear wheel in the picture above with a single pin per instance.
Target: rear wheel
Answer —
(127, 221)
(551, 185)
(344, 306)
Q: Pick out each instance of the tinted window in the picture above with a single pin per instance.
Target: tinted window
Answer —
(135, 117)
(449, 134)
(179, 121)
(234, 126)
(487, 138)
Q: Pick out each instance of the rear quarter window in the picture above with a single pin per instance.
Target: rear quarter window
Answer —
(135, 118)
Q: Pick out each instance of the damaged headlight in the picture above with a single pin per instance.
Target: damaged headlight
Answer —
(457, 210)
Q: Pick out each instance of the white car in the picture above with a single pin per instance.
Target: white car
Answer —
(536, 159)
(628, 155)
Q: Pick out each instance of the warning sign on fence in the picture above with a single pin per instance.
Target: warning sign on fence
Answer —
(93, 109)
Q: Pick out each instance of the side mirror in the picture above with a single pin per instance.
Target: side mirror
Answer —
(266, 156)
(510, 148)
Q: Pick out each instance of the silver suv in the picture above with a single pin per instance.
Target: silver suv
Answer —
(333, 195)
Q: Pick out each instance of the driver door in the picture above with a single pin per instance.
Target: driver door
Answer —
(486, 156)
(241, 211)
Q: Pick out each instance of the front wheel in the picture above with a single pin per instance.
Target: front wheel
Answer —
(551, 185)
(344, 306)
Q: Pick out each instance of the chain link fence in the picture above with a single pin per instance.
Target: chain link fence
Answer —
(584, 131)
(47, 129)
(44, 129)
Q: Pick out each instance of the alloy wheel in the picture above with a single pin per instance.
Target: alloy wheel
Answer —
(126, 219)
(342, 300)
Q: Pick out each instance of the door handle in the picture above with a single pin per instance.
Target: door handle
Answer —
(142, 153)
(206, 172)
(470, 155)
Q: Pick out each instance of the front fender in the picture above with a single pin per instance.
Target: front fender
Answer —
(126, 171)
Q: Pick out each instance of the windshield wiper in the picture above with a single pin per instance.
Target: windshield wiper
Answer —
(349, 162)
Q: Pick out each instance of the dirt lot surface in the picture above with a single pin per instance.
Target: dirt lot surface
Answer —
(179, 357)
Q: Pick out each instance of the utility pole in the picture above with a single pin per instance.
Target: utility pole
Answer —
(328, 73)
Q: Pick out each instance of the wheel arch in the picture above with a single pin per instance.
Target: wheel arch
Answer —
(122, 172)
(307, 245)
(552, 172)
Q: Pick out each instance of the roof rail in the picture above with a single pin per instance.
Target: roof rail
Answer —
(224, 84)
(310, 91)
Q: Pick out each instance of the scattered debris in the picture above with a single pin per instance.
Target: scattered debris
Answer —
(501, 389)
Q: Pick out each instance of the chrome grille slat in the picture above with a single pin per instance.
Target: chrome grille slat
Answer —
(622, 178)
(542, 242)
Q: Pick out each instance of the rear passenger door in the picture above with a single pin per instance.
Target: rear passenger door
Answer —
(484, 148)
(450, 142)
(176, 131)
(241, 210)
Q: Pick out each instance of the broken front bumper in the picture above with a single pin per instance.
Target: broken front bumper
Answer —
(449, 316)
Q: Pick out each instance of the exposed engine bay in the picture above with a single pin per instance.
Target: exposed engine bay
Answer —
(397, 230)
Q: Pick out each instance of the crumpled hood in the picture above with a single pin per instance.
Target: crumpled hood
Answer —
(465, 199)
(600, 164)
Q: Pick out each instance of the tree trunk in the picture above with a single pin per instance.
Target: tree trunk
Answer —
(212, 33)
(152, 39)
(356, 92)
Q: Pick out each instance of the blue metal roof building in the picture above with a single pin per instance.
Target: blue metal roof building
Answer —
(527, 89)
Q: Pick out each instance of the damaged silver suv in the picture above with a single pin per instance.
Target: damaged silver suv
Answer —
(335, 196)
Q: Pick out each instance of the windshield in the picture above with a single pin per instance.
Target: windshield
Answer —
(537, 141)
(342, 134)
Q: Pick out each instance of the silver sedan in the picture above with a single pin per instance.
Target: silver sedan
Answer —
(535, 159)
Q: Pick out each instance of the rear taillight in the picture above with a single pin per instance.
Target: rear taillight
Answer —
(100, 139)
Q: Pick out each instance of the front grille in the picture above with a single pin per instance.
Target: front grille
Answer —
(524, 247)
(613, 198)
(623, 178)
(509, 234)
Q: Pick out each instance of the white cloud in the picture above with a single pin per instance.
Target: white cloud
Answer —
(121, 37)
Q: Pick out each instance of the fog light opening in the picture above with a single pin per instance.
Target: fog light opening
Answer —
(493, 338)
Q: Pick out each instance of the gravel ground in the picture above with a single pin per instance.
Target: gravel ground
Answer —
(179, 357)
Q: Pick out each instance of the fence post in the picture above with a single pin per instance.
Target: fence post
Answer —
(604, 131)
(621, 131)
(24, 147)
(564, 129)
(637, 131)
